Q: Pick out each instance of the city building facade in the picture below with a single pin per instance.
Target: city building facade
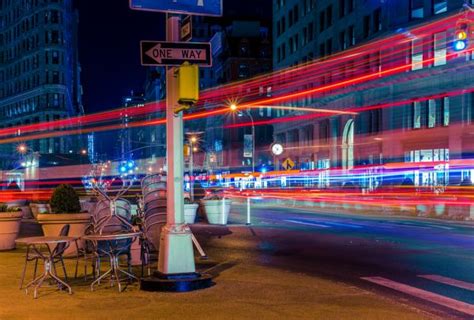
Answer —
(241, 50)
(393, 65)
(39, 73)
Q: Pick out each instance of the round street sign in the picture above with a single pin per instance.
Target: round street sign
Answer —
(277, 149)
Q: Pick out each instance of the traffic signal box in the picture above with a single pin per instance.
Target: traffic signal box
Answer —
(188, 85)
(462, 35)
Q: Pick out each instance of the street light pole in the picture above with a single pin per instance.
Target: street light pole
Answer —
(253, 140)
(234, 107)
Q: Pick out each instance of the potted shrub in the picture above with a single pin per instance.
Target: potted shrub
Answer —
(66, 209)
(217, 209)
(190, 209)
(10, 220)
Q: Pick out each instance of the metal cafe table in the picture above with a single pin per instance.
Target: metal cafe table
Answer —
(35, 244)
(113, 248)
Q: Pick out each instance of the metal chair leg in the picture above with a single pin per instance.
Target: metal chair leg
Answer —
(24, 268)
(36, 268)
(64, 267)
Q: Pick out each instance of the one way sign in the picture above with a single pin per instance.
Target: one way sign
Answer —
(158, 53)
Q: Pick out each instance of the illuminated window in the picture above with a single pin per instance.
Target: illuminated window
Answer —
(431, 113)
(417, 54)
(440, 6)
(440, 49)
(416, 115)
(445, 105)
(417, 9)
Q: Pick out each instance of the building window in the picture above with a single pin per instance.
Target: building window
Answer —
(290, 18)
(329, 16)
(321, 50)
(431, 113)
(305, 36)
(55, 77)
(243, 70)
(342, 8)
(378, 20)
(445, 110)
(342, 40)
(366, 26)
(55, 57)
(296, 14)
(440, 49)
(351, 34)
(310, 31)
(322, 21)
(417, 54)
(440, 6)
(416, 9)
(416, 114)
(350, 6)
(329, 46)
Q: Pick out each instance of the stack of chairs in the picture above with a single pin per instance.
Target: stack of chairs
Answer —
(153, 217)
(103, 223)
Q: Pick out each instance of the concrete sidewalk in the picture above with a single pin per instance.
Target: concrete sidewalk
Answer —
(245, 288)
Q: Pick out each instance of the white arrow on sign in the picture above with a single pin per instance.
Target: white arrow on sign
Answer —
(158, 53)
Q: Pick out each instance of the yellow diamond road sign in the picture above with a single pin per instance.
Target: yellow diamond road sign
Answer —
(288, 164)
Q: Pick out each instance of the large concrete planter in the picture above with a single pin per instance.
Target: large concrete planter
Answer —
(9, 228)
(190, 210)
(217, 211)
(52, 223)
(37, 208)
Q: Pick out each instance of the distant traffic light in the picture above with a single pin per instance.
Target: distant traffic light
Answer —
(461, 35)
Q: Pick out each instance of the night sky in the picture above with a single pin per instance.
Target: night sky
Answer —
(109, 51)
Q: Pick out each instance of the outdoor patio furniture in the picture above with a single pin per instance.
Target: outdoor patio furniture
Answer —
(115, 245)
(57, 257)
(153, 218)
(49, 258)
(103, 223)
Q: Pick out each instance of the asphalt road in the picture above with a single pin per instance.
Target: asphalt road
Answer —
(428, 264)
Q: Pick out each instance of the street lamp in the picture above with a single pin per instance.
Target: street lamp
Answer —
(22, 148)
(233, 107)
(192, 148)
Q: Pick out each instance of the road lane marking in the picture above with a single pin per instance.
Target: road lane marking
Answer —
(448, 281)
(423, 294)
(346, 225)
(313, 224)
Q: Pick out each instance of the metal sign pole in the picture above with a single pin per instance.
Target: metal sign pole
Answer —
(176, 248)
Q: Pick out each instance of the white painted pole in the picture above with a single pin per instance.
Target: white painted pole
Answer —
(248, 210)
(191, 171)
(223, 210)
(176, 248)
